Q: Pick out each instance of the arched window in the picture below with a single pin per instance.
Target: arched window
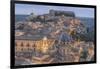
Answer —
(22, 44)
(33, 45)
(27, 45)
(21, 49)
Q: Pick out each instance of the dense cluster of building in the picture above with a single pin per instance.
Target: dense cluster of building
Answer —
(52, 38)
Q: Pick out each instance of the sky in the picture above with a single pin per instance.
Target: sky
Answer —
(26, 9)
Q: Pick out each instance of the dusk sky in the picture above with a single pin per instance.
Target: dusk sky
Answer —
(42, 9)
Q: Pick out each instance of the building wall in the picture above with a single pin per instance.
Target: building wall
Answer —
(21, 45)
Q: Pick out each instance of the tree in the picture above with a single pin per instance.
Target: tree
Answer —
(31, 17)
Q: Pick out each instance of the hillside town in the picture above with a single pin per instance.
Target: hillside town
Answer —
(54, 37)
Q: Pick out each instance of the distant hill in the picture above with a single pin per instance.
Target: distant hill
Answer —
(88, 22)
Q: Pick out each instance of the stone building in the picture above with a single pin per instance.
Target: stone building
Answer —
(59, 13)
